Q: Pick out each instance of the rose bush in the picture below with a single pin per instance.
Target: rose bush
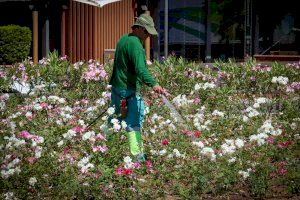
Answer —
(240, 134)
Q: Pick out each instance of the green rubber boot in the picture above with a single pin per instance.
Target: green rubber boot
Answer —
(135, 143)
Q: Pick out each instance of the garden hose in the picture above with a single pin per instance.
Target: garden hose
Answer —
(173, 110)
(100, 115)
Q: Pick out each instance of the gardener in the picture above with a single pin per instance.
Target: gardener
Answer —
(129, 74)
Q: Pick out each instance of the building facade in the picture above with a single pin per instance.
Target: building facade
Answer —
(201, 30)
(75, 29)
(221, 29)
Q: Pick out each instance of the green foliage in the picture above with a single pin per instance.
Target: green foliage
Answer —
(259, 182)
(15, 43)
(195, 163)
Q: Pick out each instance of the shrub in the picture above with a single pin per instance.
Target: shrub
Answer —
(15, 43)
(241, 140)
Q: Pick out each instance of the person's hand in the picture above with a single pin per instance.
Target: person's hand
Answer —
(159, 90)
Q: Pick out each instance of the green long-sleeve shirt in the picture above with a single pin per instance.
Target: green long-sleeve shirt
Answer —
(130, 70)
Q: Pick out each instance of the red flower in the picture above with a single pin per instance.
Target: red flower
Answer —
(195, 158)
(127, 171)
(165, 142)
(283, 145)
(148, 164)
(66, 150)
(197, 134)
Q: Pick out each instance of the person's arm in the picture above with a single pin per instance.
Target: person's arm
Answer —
(139, 61)
(141, 69)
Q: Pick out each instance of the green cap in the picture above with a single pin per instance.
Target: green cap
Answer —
(146, 21)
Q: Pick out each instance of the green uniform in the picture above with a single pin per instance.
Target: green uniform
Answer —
(129, 74)
(130, 70)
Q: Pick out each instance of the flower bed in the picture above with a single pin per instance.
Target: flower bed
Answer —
(241, 139)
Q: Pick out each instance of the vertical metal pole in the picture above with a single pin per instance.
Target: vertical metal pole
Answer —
(70, 31)
(156, 43)
(35, 36)
(95, 32)
(86, 34)
(208, 33)
(256, 36)
(78, 47)
(166, 40)
(90, 37)
(74, 31)
(45, 45)
(47, 38)
(63, 33)
(248, 29)
(184, 48)
(245, 27)
(147, 42)
(82, 32)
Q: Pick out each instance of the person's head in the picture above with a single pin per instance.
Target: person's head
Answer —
(143, 27)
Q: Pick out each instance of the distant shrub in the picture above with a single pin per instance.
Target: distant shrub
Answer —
(15, 43)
